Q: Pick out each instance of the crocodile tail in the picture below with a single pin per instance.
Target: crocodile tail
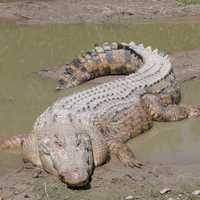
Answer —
(14, 143)
(108, 59)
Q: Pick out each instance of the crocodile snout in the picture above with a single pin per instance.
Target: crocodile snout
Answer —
(75, 179)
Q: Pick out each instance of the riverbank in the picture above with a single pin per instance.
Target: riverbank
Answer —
(90, 11)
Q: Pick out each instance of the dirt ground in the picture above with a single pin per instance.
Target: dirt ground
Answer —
(112, 180)
(78, 11)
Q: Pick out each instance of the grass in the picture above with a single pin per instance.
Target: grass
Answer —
(188, 1)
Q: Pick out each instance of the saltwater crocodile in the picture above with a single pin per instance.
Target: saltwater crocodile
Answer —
(79, 132)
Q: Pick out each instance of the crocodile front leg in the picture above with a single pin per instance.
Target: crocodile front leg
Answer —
(124, 154)
(173, 112)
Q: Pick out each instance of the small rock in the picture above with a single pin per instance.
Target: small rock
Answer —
(26, 196)
(196, 193)
(129, 197)
(170, 198)
(165, 190)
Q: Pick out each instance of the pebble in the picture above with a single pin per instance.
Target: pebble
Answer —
(26, 196)
(170, 198)
(196, 193)
(165, 190)
(129, 197)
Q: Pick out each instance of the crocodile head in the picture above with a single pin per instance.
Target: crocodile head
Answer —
(67, 154)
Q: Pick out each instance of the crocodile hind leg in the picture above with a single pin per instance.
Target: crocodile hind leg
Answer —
(173, 112)
(26, 144)
(124, 154)
(121, 123)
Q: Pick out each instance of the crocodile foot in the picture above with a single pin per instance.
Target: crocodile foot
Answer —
(125, 155)
(131, 162)
(194, 111)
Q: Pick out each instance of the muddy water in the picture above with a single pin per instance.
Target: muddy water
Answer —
(23, 95)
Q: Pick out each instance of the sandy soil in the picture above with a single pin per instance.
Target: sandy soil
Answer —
(77, 11)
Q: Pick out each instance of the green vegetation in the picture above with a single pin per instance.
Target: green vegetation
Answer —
(188, 1)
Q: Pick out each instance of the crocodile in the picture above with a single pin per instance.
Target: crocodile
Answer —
(80, 132)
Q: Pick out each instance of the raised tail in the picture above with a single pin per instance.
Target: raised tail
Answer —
(107, 59)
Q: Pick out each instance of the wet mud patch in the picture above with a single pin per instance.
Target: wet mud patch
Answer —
(111, 181)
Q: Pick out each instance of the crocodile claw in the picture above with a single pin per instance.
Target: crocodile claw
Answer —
(193, 111)
(135, 163)
(132, 163)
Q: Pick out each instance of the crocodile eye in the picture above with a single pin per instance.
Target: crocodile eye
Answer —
(57, 141)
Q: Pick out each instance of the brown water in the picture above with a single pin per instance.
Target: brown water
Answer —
(23, 95)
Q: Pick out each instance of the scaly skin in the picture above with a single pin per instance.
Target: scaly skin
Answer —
(79, 132)
(108, 59)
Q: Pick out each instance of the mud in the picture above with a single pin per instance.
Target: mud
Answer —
(111, 181)
(79, 11)
(186, 64)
